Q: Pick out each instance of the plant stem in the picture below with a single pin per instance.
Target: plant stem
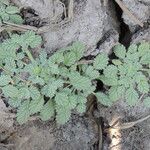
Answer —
(29, 54)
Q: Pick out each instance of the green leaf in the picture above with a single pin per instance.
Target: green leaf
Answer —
(16, 19)
(47, 111)
(10, 91)
(34, 92)
(78, 48)
(24, 93)
(23, 112)
(132, 49)
(145, 59)
(131, 96)
(120, 51)
(143, 48)
(143, 86)
(57, 57)
(43, 57)
(91, 72)
(69, 58)
(103, 99)
(79, 82)
(5, 80)
(146, 102)
(101, 61)
(61, 99)
(111, 71)
(63, 114)
(6, 2)
(36, 105)
(81, 108)
(116, 62)
(53, 68)
(14, 102)
(4, 16)
(116, 92)
(12, 10)
(51, 89)
(113, 81)
(126, 81)
(72, 101)
(30, 39)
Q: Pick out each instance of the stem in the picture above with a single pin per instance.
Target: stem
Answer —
(29, 54)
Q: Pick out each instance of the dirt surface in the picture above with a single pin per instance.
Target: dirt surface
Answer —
(100, 27)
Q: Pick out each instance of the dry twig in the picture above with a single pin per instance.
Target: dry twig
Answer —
(126, 10)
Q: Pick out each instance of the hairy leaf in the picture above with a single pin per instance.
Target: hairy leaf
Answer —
(131, 96)
(47, 111)
(23, 112)
(103, 99)
(101, 61)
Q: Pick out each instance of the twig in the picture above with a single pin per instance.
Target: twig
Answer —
(130, 124)
(25, 27)
(70, 10)
(126, 10)
(82, 62)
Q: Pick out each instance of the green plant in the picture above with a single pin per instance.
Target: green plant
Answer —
(127, 76)
(46, 86)
(56, 85)
(9, 13)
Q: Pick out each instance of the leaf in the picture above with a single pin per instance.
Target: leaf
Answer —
(47, 111)
(61, 99)
(6, 2)
(143, 48)
(36, 105)
(81, 108)
(91, 72)
(101, 61)
(69, 58)
(146, 102)
(30, 39)
(24, 93)
(50, 89)
(12, 10)
(126, 81)
(131, 96)
(53, 68)
(14, 102)
(63, 114)
(120, 51)
(16, 19)
(43, 57)
(103, 99)
(34, 92)
(116, 92)
(4, 16)
(5, 80)
(113, 81)
(145, 59)
(10, 91)
(57, 57)
(116, 62)
(79, 82)
(110, 71)
(132, 49)
(78, 48)
(23, 112)
(72, 101)
(143, 86)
